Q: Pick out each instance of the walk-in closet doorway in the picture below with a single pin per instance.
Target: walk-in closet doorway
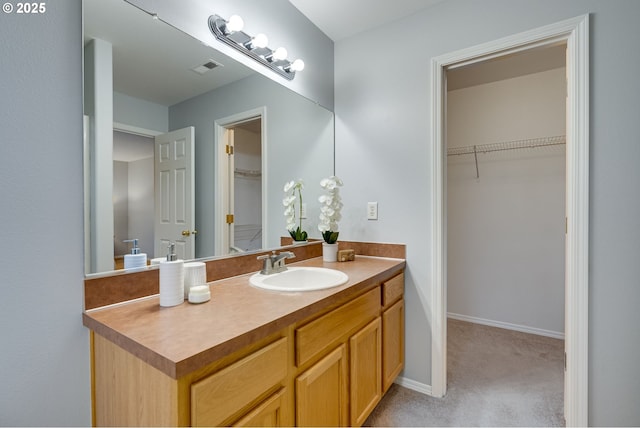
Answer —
(506, 126)
(575, 33)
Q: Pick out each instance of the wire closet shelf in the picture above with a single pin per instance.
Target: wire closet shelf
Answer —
(531, 143)
(249, 173)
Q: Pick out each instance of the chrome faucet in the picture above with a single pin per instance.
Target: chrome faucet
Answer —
(274, 263)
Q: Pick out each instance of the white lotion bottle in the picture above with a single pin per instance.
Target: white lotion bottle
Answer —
(171, 279)
(136, 259)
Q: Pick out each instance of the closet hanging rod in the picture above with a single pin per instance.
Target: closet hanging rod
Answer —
(247, 173)
(507, 145)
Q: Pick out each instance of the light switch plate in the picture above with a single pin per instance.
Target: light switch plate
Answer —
(372, 210)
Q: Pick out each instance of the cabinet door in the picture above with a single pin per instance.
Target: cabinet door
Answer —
(224, 395)
(267, 414)
(321, 392)
(392, 343)
(366, 371)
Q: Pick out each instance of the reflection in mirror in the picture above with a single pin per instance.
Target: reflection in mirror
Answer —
(164, 81)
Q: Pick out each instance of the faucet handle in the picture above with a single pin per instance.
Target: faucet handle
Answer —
(268, 256)
(267, 263)
(289, 254)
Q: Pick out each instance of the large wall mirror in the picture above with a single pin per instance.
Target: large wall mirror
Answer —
(154, 93)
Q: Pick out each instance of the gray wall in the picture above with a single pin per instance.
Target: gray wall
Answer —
(133, 111)
(299, 137)
(505, 230)
(44, 350)
(383, 120)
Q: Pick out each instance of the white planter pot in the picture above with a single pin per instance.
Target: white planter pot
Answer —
(329, 252)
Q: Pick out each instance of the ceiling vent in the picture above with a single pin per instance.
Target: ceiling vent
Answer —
(207, 66)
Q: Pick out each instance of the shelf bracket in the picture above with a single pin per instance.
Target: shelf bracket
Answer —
(475, 155)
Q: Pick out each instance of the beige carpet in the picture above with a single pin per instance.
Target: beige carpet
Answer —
(496, 377)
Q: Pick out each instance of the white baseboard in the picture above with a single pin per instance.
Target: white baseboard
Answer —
(413, 385)
(508, 326)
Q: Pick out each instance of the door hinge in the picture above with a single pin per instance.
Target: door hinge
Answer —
(566, 225)
(229, 218)
(565, 361)
(229, 149)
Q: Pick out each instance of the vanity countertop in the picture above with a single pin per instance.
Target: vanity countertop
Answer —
(180, 339)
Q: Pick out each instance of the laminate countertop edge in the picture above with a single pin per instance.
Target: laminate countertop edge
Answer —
(185, 338)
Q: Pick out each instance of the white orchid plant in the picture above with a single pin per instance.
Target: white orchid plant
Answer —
(289, 201)
(331, 205)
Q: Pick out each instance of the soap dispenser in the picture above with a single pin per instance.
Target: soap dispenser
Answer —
(171, 279)
(136, 259)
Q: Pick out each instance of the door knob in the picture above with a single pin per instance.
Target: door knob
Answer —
(188, 233)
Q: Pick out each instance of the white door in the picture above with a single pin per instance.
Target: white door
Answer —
(174, 193)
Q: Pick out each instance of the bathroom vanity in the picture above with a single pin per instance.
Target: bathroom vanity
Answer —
(253, 357)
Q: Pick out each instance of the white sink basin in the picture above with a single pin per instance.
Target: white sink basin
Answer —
(300, 279)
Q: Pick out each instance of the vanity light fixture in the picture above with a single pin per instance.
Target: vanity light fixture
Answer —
(230, 32)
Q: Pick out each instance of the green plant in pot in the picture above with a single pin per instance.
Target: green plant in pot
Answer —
(289, 202)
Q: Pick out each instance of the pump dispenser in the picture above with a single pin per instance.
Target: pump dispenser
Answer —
(136, 259)
(171, 279)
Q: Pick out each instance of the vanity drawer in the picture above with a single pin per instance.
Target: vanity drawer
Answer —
(333, 328)
(216, 398)
(392, 290)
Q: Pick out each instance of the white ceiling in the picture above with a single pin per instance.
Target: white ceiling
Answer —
(340, 19)
(507, 67)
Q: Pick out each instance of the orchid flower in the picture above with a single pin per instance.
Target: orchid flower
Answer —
(331, 205)
(289, 200)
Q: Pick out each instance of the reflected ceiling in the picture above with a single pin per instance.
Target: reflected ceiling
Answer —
(173, 79)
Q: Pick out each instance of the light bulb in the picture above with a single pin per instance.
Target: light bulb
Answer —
(280, 54)
(235, 23)
(260, 41)
(297, 65)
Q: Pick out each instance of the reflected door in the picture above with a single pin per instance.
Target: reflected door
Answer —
(246, 188)
(174, 193)
(241, 187)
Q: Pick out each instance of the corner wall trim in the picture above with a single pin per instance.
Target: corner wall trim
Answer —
(414, 385)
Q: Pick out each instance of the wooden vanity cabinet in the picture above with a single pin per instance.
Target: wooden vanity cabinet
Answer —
(328, 346)
(246, 388)
(366, 334)
(330, 369)
(365, 348)
(219, 398)
(392, 330)
(321, 392)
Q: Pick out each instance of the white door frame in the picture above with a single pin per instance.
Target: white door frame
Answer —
(222, 174)
(575, 32)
